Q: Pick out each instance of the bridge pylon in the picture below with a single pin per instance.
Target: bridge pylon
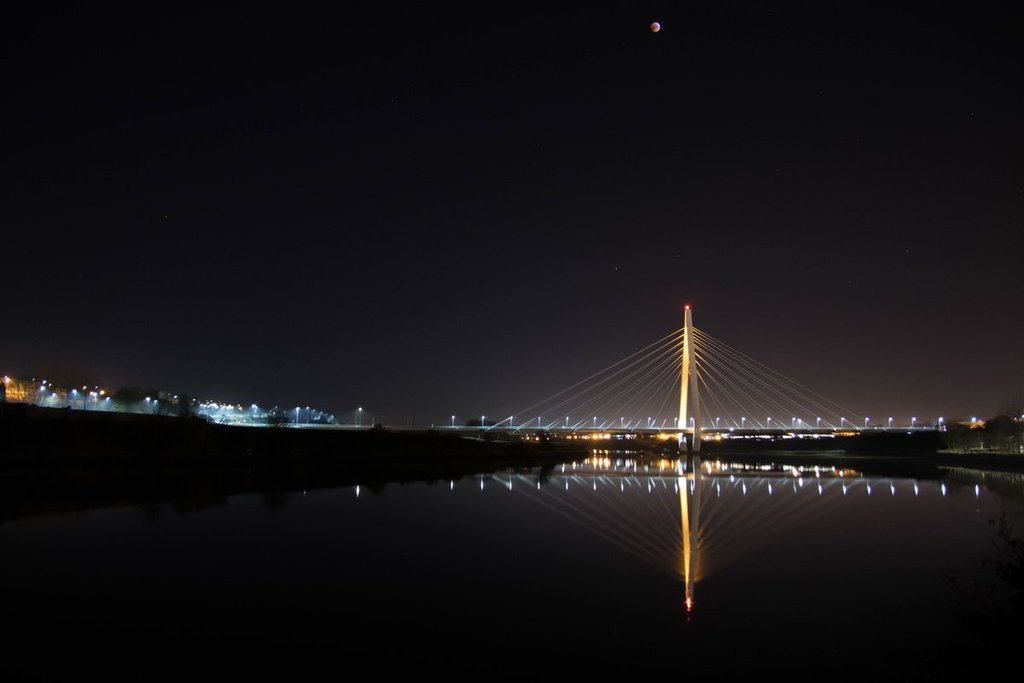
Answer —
(689, 387)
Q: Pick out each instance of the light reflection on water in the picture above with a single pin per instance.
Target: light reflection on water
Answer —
(702, 533)
(692, 557)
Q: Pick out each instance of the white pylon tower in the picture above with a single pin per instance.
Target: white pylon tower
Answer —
(688, 384)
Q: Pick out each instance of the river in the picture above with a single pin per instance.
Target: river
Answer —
(614, 563)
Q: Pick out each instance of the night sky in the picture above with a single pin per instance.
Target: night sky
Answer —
(432, 212)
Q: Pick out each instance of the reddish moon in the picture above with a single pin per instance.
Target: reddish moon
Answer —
(655, 27)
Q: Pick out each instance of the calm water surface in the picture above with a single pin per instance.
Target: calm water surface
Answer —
(587, 567)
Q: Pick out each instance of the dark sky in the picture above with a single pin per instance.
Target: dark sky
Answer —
(433, 211)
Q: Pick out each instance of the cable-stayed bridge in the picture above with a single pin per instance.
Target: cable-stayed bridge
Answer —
(692, 387)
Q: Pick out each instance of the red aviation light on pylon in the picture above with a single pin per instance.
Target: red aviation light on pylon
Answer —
(686, 307)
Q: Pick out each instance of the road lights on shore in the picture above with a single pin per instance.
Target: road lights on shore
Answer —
(359, 416)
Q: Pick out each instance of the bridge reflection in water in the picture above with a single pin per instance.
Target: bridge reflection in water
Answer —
(631, 503)
(689, 522)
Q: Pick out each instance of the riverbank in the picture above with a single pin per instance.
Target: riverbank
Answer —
(30, 436)
(55, 461)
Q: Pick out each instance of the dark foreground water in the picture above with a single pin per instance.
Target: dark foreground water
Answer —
(808, 574)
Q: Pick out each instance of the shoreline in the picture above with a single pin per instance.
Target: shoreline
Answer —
(57, 462)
